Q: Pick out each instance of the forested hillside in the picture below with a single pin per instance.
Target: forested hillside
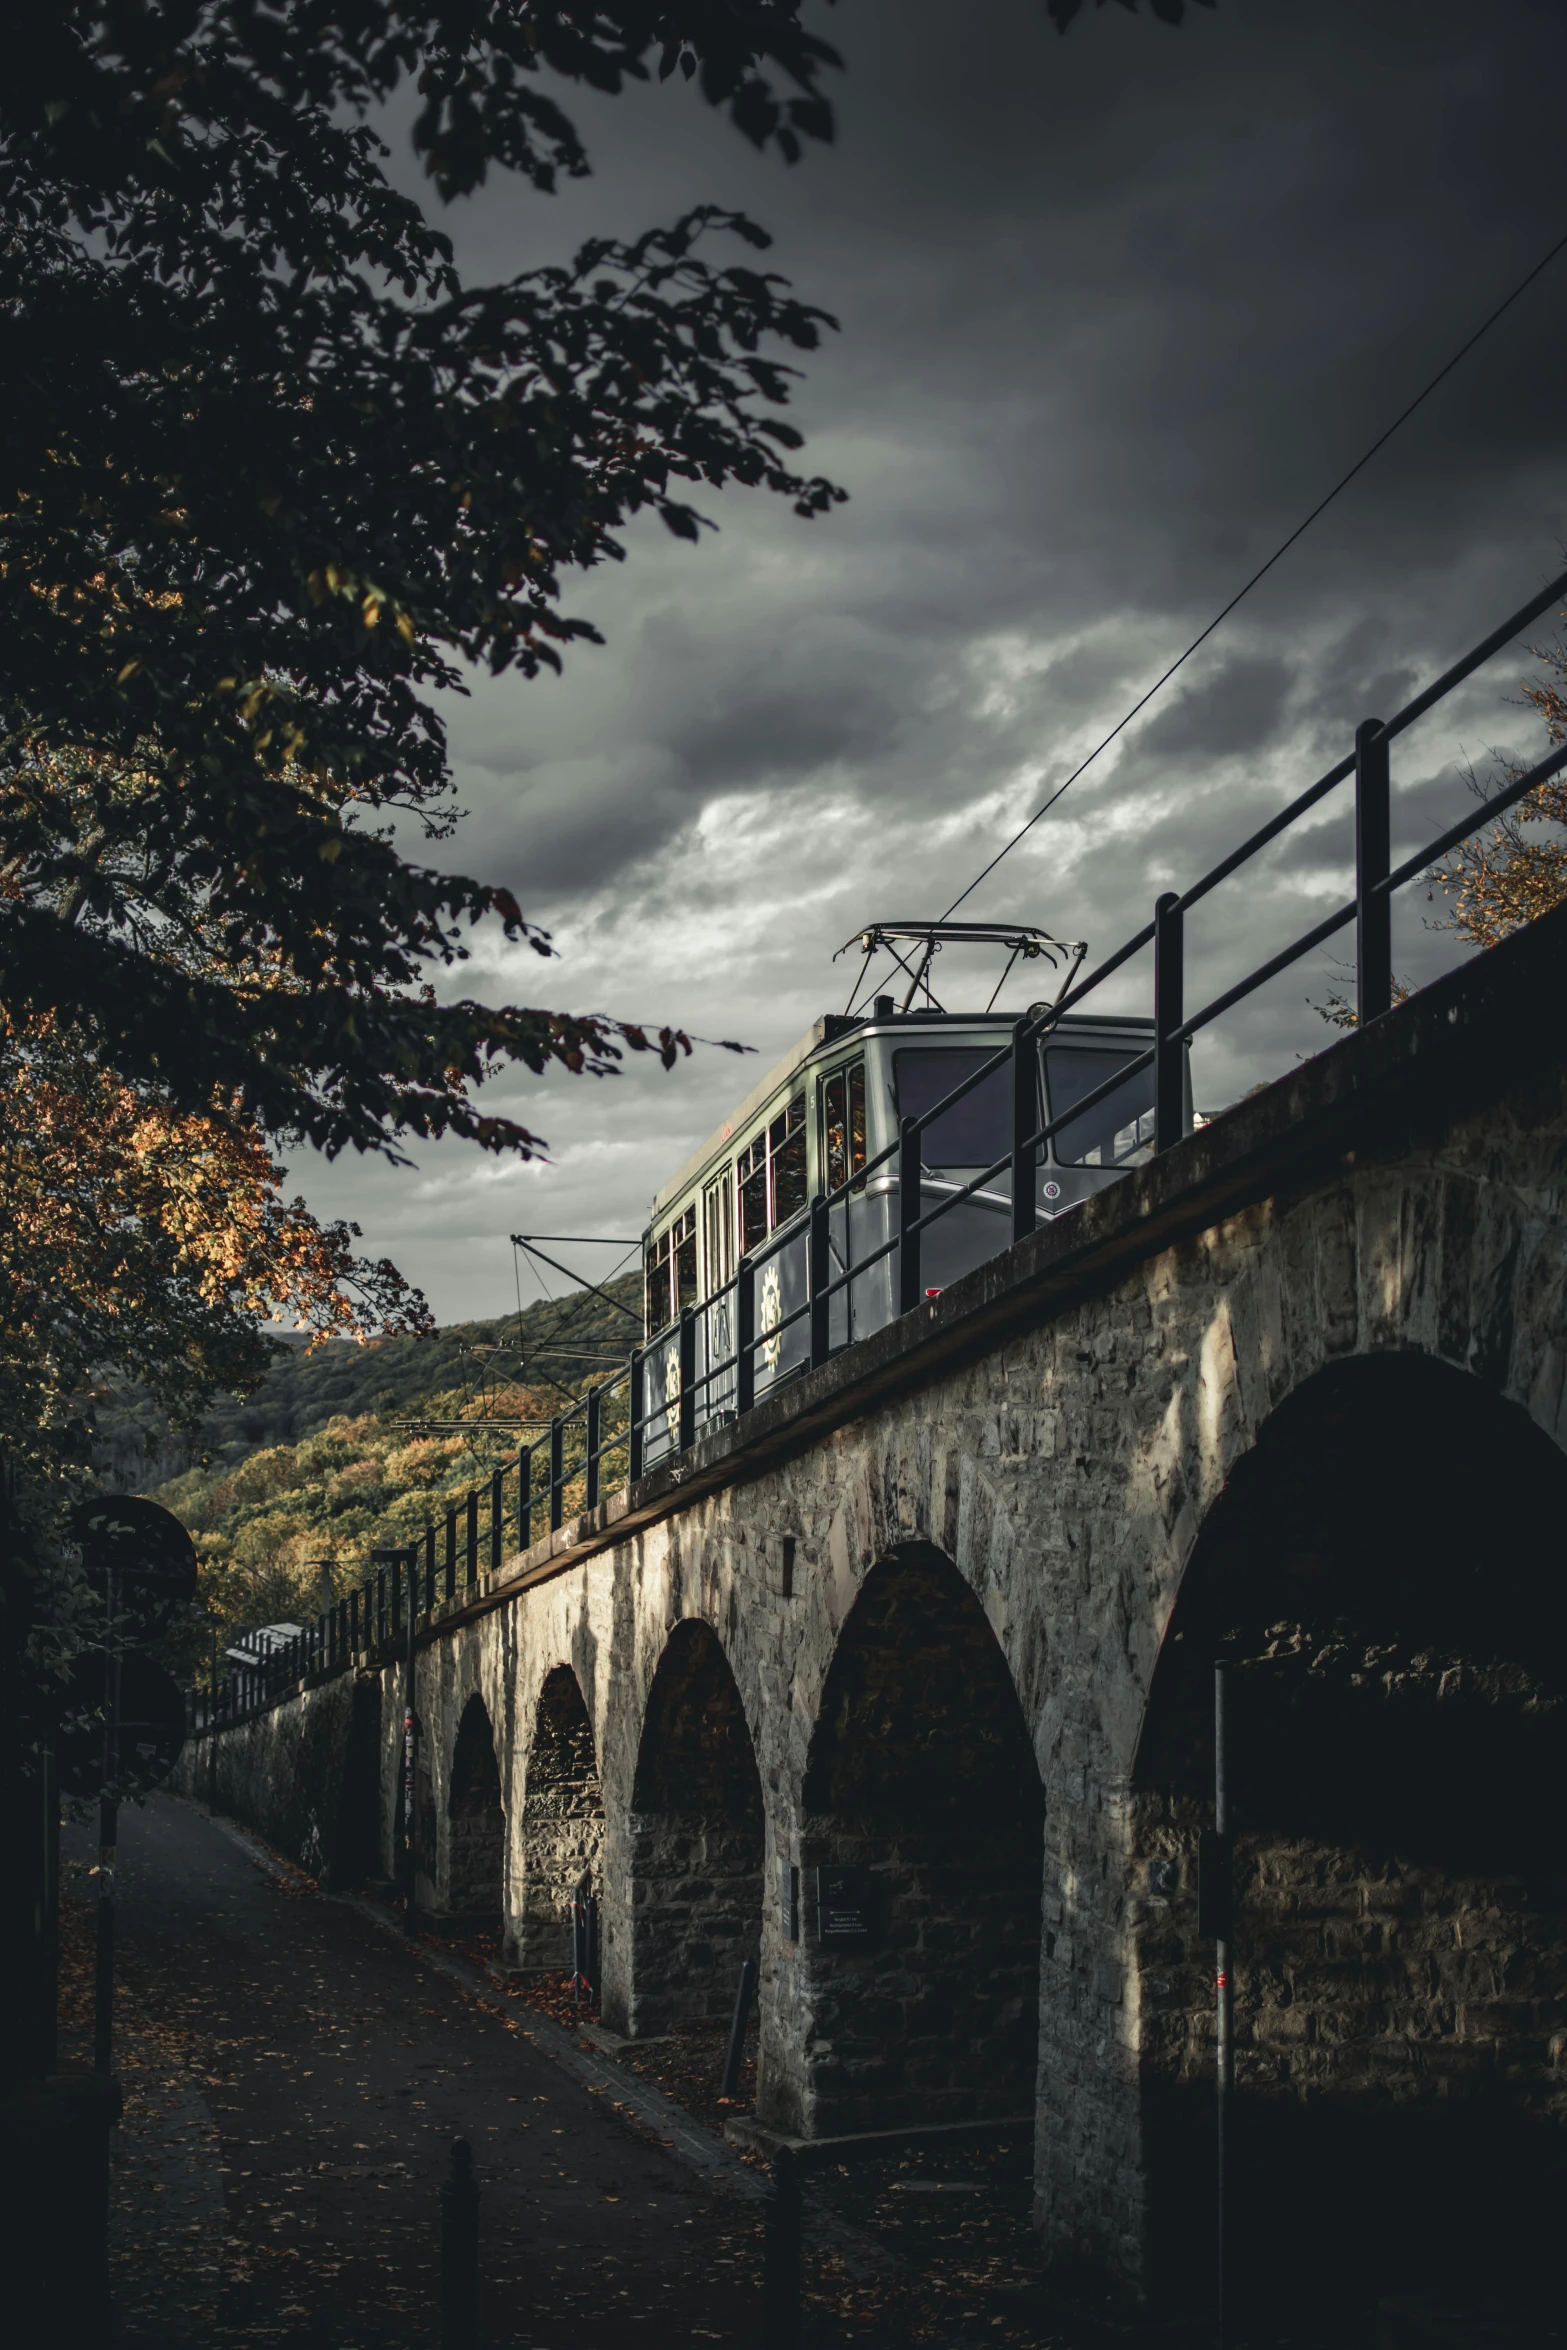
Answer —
(289, 1490)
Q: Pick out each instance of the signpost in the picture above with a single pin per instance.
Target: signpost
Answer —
(843, 1905)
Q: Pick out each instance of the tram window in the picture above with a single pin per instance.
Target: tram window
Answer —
(751, 1176)
(770, 1173)
(718, 1231)
(786, 1148)
(843, 1123)
(658, 1306)
(1116, 1129)
(671, 1271)
(683, 1248)
(975, 1132)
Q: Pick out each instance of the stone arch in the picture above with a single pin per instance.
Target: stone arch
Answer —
(696, 1840)
(1379, 1573)
(921, 1777)
(475, 1825)
(562, 1822)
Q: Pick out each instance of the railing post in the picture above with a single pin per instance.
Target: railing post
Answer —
(460, 2253)
(817, 1278)
(429, 1567)
(636, 1433)
(1169, 1068)
(380, 1605)
(687, 1377)
(451, 1551)
(524, 1496)
(909, 1289)
(1373, 852)
(781, 2250)
(497, 1522)
(1025, 1122)
(471, 1563)
(557, 1474)
(595, 1419)
(745, 1336)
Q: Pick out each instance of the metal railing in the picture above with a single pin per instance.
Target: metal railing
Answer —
(576, 1448)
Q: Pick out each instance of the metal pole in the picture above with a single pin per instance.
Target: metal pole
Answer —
(908, 1217)
(557, 1474)
(1373, 851)
(1025, 1120)
(818, 1274)
(687, 1377)
(636, 1428)
(1224, 1994)
(497, 1522)
(595, 1439)
(108, 1838)
(471, 1570)
(782, 2218)
(451, 1551)
(212, 1728)
(1169, 1068)
(745, 1336)
(525, 1497)
(735, 2058)
(460, 2252)
(410, 1745)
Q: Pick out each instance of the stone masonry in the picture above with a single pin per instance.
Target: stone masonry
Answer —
(948, 1609)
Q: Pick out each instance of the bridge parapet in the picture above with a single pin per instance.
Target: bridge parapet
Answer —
(1294, 1394)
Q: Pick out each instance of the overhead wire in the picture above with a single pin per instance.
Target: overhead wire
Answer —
(1262, 571)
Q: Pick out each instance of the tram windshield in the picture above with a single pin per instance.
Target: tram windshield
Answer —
(975, 1132)
(1115, 1130)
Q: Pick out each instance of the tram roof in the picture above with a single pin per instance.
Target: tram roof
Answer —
(826, 1031)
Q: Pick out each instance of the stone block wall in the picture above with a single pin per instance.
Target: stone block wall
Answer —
(1069, 1474)
(562, 1827)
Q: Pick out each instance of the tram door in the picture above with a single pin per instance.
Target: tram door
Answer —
(718, 1265)
(842, 1098)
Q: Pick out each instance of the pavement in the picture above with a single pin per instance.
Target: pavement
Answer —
(295, 2077)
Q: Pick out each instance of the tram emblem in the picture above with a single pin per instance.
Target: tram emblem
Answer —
(769, 1313)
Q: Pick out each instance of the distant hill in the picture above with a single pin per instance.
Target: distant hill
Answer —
(567, 1342)
(287, 1491)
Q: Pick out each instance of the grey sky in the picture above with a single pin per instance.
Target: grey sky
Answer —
(1116, 310)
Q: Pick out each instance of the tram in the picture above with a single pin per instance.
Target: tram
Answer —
(828, 1110)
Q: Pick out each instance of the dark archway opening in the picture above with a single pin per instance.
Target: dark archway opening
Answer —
(1382, 1574)
(696, 1840)
(476, 1827)
(355, 1855)
(562, 1822)
(922, 1774)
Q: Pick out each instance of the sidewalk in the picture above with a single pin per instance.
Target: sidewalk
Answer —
(295, 2073)
(291, 2066)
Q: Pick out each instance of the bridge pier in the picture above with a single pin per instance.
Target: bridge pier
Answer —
(1295, 1394)
(562, 1825)
(689, 1861)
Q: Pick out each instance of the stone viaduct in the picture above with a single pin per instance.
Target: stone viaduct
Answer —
(946, 1612)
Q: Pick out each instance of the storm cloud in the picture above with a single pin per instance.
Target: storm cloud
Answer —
(1115, 310)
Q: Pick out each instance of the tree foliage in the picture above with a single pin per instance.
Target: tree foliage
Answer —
(154, 1242)
(1500, 879)
(274, 473)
